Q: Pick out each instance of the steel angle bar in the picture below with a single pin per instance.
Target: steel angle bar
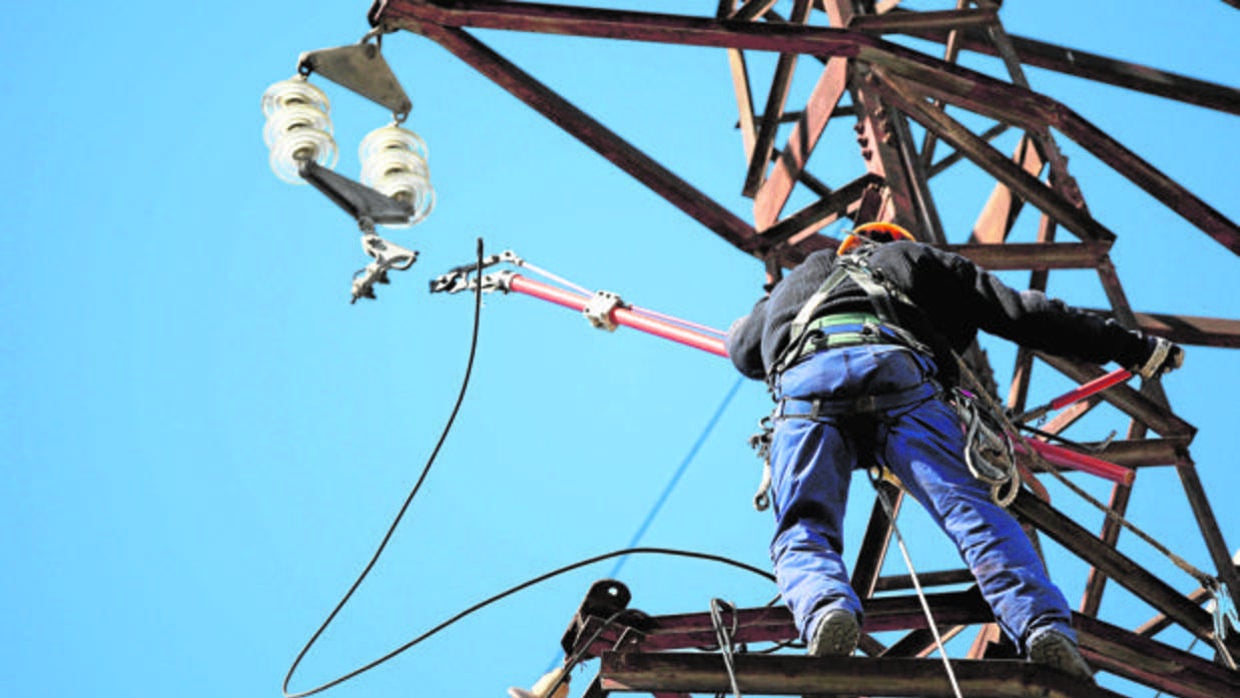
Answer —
(1034, 112)
(825, 97)
(744, 100)
(820, 213)
(953, 83)
(798, 675)
(774, 623)
(1096, 581)
(753, 9)
(786, 65)
(876, 541)
(598, 137)
(1152, 663)
(1188, 329)
(903, 95)
(1032, 255)
(907, 22)
(995, 222)
(956, 156)
(1137, 453)
(1114, 565)
(1091, 66)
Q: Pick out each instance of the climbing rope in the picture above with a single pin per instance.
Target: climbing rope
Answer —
(875, 476)
(724, 634)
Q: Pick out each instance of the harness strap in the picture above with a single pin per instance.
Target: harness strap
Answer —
(850, 266)
(816, 408)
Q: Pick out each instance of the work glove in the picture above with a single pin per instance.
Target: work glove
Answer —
(1165, 356)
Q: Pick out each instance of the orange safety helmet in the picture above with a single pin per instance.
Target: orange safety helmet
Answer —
(877, 231)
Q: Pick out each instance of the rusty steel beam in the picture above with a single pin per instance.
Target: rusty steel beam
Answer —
(995, 222)
(1152, 663)
(798, 675)
(1207, 523)
(1092, 66)
(744, 100)
(1188, 329)
(773, 195)
(1161, 622)
(920, 642)
(900, 582)
(598, 137)
(952, 83)
(956, 156)
(909, 22)
(1137, 453)
(774, 623)
(785, 67)
(1114, 565)
(1096, 580)
(818, 214)
(1032, 255)
(752, 9)
(874, 544)
(904, 96)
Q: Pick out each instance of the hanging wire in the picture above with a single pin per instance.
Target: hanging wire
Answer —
(513, 590)
(724, 636)
(374, 558)
(921, 595)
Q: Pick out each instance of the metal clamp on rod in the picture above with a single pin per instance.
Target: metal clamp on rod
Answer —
(599, 308)
(456, 279)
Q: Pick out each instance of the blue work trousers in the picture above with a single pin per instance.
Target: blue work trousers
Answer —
(919, 440)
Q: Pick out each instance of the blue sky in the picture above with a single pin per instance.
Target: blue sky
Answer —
(203, 440)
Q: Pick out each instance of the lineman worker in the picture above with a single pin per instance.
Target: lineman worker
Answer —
(857, 362)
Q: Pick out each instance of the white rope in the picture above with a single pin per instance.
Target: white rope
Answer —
(558, 279)
(921, 595)
(724, 637)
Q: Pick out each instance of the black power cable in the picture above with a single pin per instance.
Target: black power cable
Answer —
(460, 398)
(509, 592)
(482, 604)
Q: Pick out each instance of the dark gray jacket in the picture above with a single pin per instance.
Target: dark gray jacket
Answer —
(954, 298)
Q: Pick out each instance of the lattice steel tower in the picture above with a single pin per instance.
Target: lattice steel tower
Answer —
(906, 107)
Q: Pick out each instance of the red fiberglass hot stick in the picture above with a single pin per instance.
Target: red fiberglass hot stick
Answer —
(606, 310)
(615, 313)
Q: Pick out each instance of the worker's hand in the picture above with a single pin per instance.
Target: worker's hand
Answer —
(1165, 356)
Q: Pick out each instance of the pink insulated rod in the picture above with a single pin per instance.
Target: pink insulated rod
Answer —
(620, 315)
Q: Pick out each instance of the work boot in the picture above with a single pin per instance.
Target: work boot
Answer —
(1056, 650)
(836, 635)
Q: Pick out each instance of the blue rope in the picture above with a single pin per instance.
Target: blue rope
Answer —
(671, 484)
(667, 490)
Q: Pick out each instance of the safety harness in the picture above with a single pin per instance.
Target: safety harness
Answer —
(989, 451)
(809, 335)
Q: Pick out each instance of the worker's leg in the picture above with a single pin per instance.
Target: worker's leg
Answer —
(924, 447)
(811, 463)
